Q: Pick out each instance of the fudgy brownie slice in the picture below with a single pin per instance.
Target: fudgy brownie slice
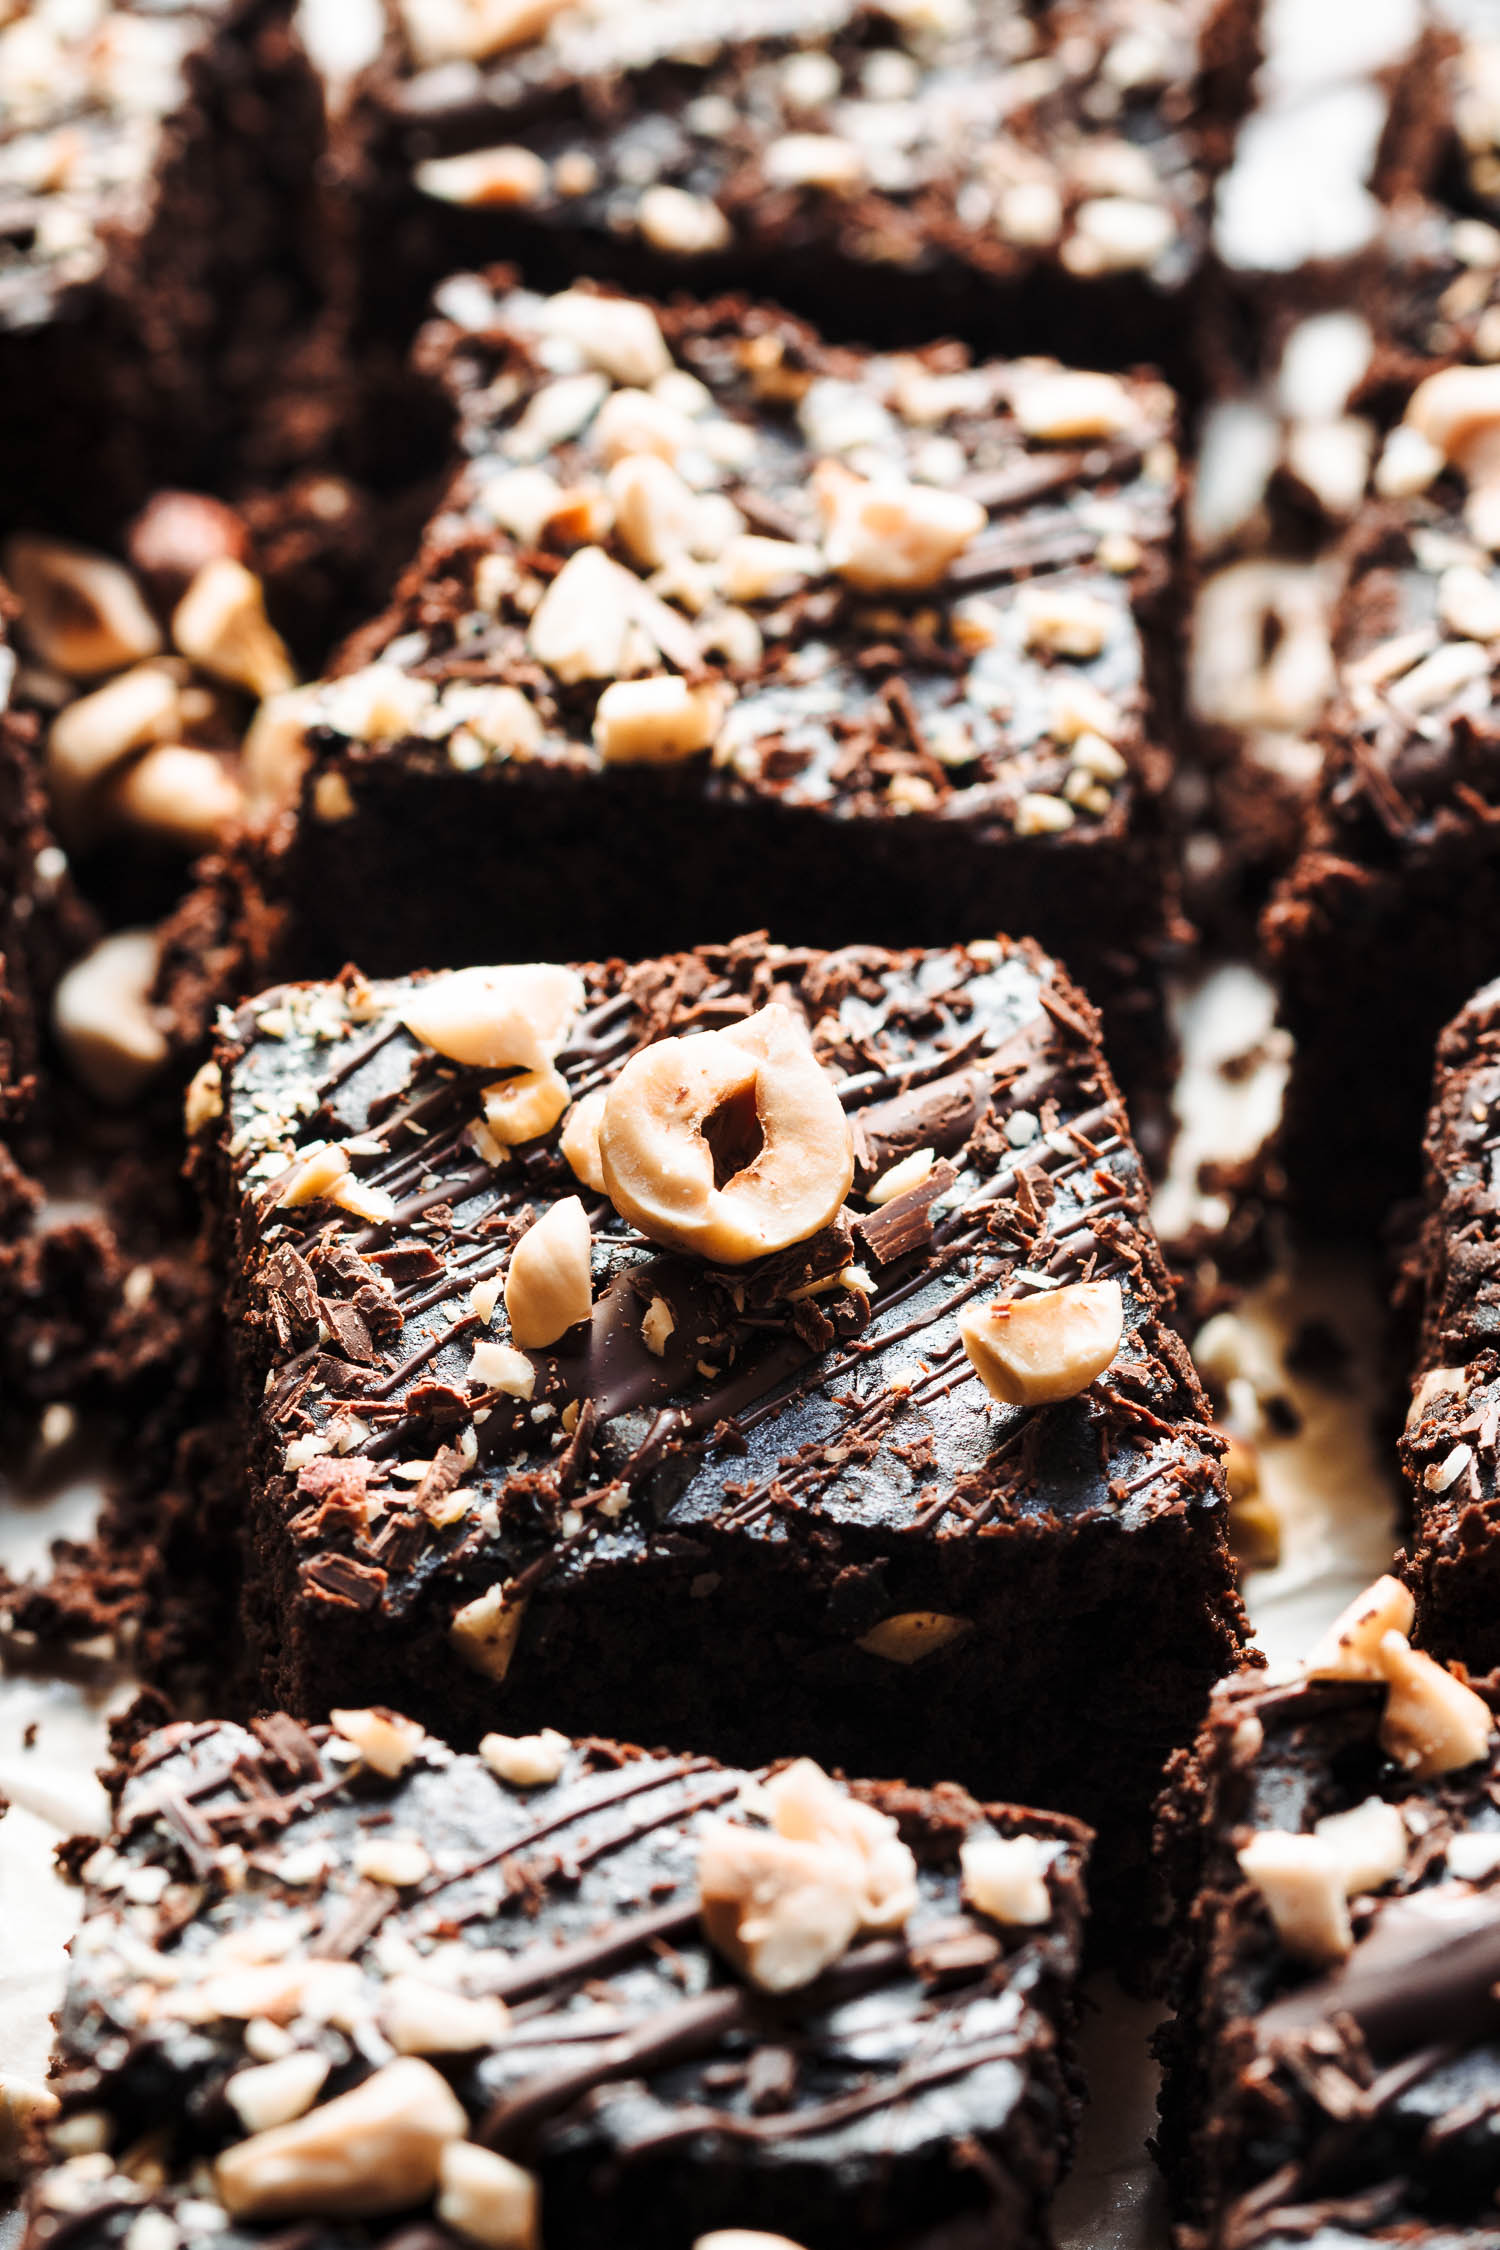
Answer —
(349, 1983)
(723, 628)
(1332, 1848)
(657, 1384)
(895, 168)
(159, 250)
(1449, 1451)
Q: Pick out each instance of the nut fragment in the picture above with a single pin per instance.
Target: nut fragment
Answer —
(728, 1144)
(443, 31)
(484, 177)
(386, 1742)
(1030, 1351)
(103, 1018)
(221, 623)
(276, 2092)
(682, 225)
(83, 614)
(909, 1173)
(1369, 1842)
(204, 1099)
(891, 535)
(500, 1367)
(1006, 1878)
(1350, 1649)
(526, 1761)
(1060, 405)
(187, 797)
(912, 1634)
(176, 533)
(549, 1286)
(487, 2199)
(756, 569)
(372, 2150)
(1458, 412)
(96, 732)
(618, 335)
(386, 1857)
(1433, 1723)
(1301, 1883)
(526, 1106)
(1064, 620)
(516, 1016)
(579, 1140)
(584, 627)
(420, 2018)
(485, 1631)
(658, 720)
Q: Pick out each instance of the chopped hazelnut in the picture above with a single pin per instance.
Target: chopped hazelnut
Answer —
(1436, 1383)
(332, 800)
(682, 225)
(1064, 620)
(221, 623)
(657, 1326)
(636, 422)
(755, 569)
(743, 2238)
(485, 1631)
(555, 413)
(618, 335)
(585, 626)
(484, 177)
(1301, 1882)
(760, 1076)
(816, 160)
(1005, 1877)
(500, 1367)
(515, 1016)
(579, 1140)
(274, 753)
(372, 2150)
(1039, 813)
(526, 1106)
(891, 535)
(487, 2199)
(1452, 667)
(276, 2092)
(1433, 1723)
(83, 614)
(1350, 1649)
(474, 30)
(1458, 412)
(526, 1761)
(1060, 406)
(1369, 1843)
(103, 1018)
(549, 1286)
(1408, 464)
(909, 1173)
(400, 1861)
(657, 720)
(912, 1634)
(97, 731)
(23, 2106)
(656, 514)
(187, 797)
(204, 1100)
(386, 1742)
(420, 2018)
(1469, 603)
(1030, 1351)
(1118, 234)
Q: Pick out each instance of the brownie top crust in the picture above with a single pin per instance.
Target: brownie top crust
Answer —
(820, 1394)
(903, 136)
(1341, 2082)
(554, 1929)
(86, 98)
(899, 585)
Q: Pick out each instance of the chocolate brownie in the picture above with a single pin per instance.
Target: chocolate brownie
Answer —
(758, 1486)
(1332, 1848)
(723, 628)
(158, 245)
(337, 1976)
(892, 169)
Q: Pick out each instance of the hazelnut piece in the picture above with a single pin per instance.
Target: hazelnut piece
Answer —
(579, 1140)
(1005, 1877)
(98, 731)
(891, 536)
(1300, 1880)
(1031, 1351)
(1458, 412)
(1369, 1842)
(185, 796)
(526, 1106)
(526, 1761)
(83, 613)
(372, 2150)
(221, 623)
(781, 1912)
(420, 2018)
(513, 1017)
(386, 1742)
(549, 1286)
(1433, 1723)
(658, 720)
(1350, 1649)
(277, 2091)
(485, 1632)
(728, 1144)
(103, 1018)
(486, 2198)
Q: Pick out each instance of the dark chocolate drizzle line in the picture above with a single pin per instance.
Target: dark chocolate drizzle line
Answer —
(611, 1792)
(1416, 1979)
(540, 1967)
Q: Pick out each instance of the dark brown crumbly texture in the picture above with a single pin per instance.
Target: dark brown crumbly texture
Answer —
(877, 771)
(704, 1546)
(1006, 168)
(159, 248)
(921, 2092)
(1348, 2107)
(1451, 1449)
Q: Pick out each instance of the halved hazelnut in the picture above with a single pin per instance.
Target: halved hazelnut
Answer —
(526, 1106)
(891, 536)
(1031, 1351)
(221, 623)
(515, 1016)
(579, 1140)
(372, 2150)
(83, 614)
(1433, 1723)
(1350, 1649)
(728, 1144)
(549, 1286)
(103, 1017)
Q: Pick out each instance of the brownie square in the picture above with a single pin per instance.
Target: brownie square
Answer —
(889, 170)
(953, 726)
(159, 245)
(508, 1957)
(744, 1504)
(1328, 2081)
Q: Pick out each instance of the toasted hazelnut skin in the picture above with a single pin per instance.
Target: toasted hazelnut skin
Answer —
(658, 1166)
